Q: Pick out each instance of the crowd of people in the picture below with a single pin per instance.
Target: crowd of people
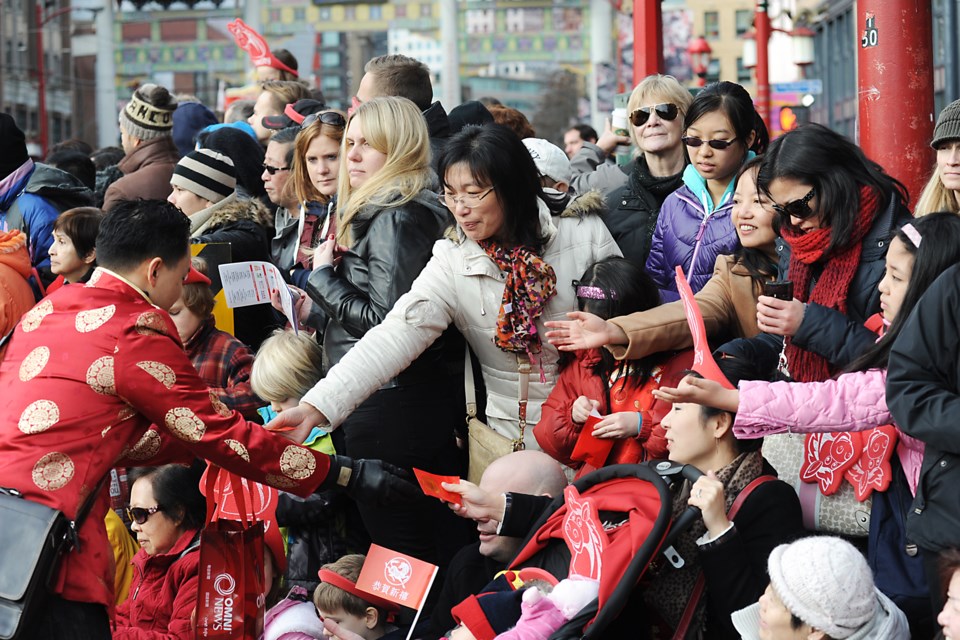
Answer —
(444, 265)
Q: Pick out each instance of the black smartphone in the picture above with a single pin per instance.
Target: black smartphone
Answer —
(779, 290)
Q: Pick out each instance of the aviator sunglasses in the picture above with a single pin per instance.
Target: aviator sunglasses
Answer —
(331, 118)
(666, 111)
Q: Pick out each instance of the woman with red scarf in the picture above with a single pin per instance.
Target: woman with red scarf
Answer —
(838, 211)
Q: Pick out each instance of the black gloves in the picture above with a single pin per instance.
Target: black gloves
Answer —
(371, 481)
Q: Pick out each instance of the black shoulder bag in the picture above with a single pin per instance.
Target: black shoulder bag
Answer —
(33, 538)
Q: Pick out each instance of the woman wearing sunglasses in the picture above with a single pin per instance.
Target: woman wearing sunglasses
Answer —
(657, 107)
(387, 222)
(722, 130)
(942, 192)
(838, 211)
(167, 511)
(313, 180)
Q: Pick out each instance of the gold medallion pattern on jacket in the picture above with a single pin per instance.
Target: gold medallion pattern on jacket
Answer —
(150, 322)
(238, 448)
(34, 363)
(297, 463)
(185, 424)
(53, 471)
(159, 372)
(39, 416)
(146, 447)
(100, 376)
(93, 319)
(33, 318)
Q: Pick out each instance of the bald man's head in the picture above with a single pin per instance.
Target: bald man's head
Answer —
(530, 472)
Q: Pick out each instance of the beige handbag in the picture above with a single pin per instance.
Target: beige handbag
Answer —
(839, 513)
(484, 444)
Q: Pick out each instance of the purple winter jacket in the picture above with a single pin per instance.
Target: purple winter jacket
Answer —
(690, 235)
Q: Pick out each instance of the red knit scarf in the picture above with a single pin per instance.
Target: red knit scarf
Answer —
(830, 290)
(529, 285)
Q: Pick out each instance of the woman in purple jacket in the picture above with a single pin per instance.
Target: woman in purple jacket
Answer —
(722, 130)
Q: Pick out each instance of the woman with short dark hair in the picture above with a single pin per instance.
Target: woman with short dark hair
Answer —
(167, 511)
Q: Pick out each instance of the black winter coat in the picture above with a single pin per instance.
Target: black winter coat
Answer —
(633, 210)
(923, 394)
(391, 247)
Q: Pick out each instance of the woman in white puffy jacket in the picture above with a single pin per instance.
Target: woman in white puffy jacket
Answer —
(503, 270)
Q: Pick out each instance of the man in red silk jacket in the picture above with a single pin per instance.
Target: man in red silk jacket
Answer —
(86, 374)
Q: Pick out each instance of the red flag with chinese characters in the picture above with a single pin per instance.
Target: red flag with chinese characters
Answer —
(396, 577)
(703, 362)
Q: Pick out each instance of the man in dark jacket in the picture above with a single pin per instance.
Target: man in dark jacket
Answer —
(923, 394)
(399, 75)
(146, 133)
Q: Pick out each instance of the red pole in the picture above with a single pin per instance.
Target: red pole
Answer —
(895, 71)
(647, 39)
(41, 84)
(762, 26)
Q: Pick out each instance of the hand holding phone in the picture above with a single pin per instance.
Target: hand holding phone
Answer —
(779, 290)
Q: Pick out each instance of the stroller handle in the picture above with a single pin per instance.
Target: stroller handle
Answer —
(669, 471)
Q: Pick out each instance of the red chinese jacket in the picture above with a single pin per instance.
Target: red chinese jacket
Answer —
(88, 371)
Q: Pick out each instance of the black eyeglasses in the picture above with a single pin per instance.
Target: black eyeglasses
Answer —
(719, 145)
(666, 111)
(331, 118)
(273, 170)
(141, 515)
(469, 200)
(799, 208)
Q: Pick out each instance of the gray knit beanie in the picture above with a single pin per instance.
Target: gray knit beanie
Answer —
(948, 124)
(206, 173)
(825, 582)
(149, 114)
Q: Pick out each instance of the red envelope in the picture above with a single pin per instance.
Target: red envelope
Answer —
(430, 483)
(589, 448)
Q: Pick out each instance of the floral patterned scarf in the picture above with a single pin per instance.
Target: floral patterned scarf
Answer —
(530, 284)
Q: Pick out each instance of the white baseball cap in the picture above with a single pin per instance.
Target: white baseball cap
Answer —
(550, 159)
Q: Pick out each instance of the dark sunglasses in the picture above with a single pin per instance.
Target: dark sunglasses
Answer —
(331, 118)
(797, 208)
(719, 145)
(666, 111)
(141, 515)
(273, 170)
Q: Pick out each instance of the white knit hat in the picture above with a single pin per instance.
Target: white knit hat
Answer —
(826, 582)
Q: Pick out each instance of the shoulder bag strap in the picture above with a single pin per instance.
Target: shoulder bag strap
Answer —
(523, 394)
(701, 584)
(469, 390)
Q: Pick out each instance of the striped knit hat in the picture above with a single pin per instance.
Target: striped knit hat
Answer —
(206, 173)
(149, 114)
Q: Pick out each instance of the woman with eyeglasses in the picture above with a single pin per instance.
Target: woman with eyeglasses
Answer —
(313, 182)
(497, 276)
(387, 221)
(942, 191)
(636, 192)
(722, 130)
(838, 210)
(167, 511)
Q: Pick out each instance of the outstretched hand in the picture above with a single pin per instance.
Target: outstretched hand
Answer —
(583, 331)
(297, 422)
(701, 391)
(477, 504)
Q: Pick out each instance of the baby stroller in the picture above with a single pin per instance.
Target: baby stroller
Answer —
(634, 505)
